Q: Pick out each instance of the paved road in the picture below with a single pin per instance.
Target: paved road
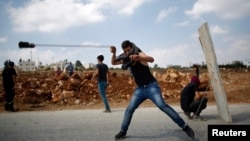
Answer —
(148, 124)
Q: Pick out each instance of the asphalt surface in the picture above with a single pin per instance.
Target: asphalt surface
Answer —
(148, 124)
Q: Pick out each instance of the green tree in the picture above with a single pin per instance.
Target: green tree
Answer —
(79, 66)
(238, 64)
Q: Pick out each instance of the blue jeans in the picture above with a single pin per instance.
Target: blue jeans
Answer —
(151, 91)
(102, 89)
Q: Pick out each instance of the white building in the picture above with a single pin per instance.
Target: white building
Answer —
(60, 64)
(89, 65)
(27, 65)
(247, 62)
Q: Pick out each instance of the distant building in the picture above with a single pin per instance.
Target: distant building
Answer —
(89, 65)
(60, 64)
(26, 65)
(248, 64)
(174, 66)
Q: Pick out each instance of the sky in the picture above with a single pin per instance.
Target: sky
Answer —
(164, 29)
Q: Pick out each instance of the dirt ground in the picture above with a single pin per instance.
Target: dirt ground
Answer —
(41, 91)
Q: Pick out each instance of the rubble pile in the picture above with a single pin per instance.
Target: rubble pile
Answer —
(78, 89)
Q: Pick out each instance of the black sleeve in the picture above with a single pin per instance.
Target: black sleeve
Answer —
(187, 97)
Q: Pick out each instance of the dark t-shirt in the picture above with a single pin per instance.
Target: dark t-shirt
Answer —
(103, 69)
(141, 74)
(70, 68)
(7, 74)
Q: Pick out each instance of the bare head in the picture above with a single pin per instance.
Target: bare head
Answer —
(100, 58)
(127, 46)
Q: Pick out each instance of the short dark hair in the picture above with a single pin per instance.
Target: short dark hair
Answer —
(11, 64)
(126, 43)
(100, 57)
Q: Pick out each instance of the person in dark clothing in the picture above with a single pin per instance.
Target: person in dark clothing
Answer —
(147, 87)
(70, 69)
(9, 82)
(193, 107)
(102, 72)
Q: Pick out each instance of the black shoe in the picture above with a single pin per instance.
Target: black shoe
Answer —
(13, 109)
(120, 135)
(189, 131)
(188, 115)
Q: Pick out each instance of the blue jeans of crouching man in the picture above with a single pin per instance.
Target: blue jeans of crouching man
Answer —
(102, 89)
(151, 91)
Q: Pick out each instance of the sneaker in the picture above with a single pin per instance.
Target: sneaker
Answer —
(107, 111)
(120, 135)
(199, 118)
(189, 131)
